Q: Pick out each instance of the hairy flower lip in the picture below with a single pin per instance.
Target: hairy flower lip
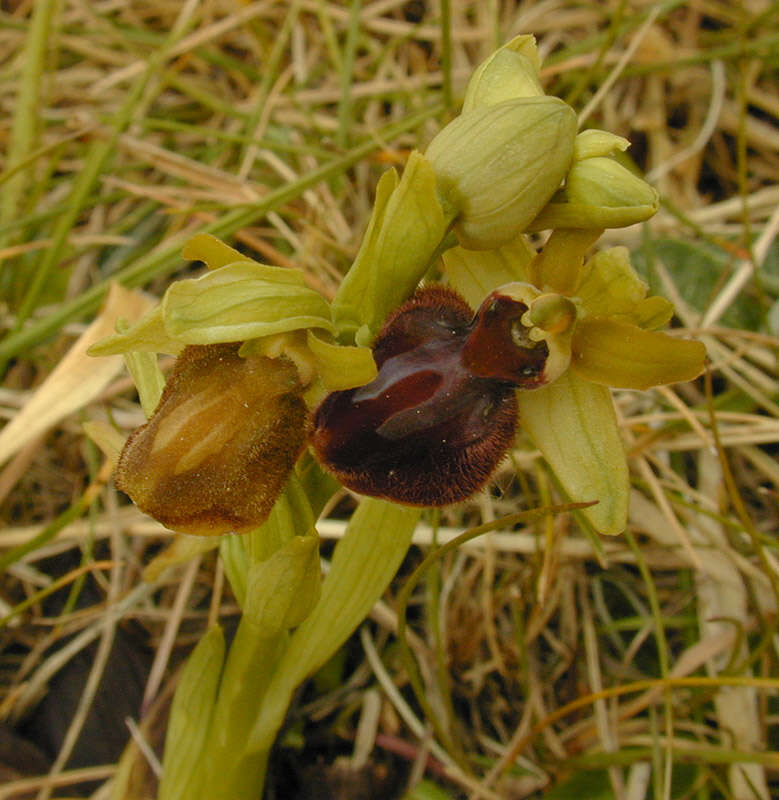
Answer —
(218, 449)
(428, 430)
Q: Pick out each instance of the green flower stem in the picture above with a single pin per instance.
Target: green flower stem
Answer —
(229, 772)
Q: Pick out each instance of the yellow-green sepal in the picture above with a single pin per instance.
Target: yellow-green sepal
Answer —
(357, 288)
(573, 424)
(404, 234)
(622, 355)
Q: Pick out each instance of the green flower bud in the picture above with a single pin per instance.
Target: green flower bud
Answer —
(508, 74)
(498, 166)
(599, 193)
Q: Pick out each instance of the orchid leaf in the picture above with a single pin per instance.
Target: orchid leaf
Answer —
(364, 562)
(188, 725)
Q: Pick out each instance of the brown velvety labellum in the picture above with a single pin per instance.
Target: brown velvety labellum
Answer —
(218, 449)
(498, 346)
(431, 427)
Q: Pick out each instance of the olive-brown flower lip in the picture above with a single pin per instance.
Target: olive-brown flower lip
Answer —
(218, 449)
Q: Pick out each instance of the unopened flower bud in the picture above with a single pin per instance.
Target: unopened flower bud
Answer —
(599, 192)
(508, 74)
(498, 166)
(605, 184)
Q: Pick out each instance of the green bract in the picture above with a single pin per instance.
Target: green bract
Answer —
(406, 228)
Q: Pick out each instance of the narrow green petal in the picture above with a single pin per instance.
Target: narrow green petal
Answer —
(148, 378)
(620, 354)
(242, 301)
(341, 367)
(573, 424)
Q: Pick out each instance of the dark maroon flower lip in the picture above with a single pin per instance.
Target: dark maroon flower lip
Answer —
(441, 413)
